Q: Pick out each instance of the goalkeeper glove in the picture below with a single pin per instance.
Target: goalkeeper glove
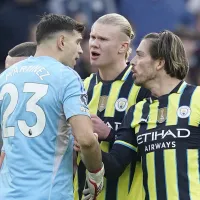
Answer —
(95, 182)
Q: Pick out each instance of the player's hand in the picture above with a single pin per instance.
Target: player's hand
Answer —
(100, 127)
(87, 195)
(76, 146)
(95, 183)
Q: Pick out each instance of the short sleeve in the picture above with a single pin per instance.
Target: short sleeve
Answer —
(74, 96)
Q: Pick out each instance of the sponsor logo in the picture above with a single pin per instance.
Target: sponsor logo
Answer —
(121, 104)
(158, 137)
(115, 126)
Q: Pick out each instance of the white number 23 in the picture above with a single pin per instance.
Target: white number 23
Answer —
(39, 90)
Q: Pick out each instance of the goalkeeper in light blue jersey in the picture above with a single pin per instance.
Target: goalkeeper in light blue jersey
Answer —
(43, 101)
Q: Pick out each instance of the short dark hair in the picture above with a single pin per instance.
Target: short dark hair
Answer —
(52, 23)
(169, 47)
(25, 49)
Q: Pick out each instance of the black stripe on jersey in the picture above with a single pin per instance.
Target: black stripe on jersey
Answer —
(159, 159)
(145, 180)
(185, 101)
(199, 163)
(132, 170)
(91, 87)
(105, 90)
(143, 128)
(142, 94)
(81, 178)
(123, 93)
(182, 168)
(160, 175)
(111, 186)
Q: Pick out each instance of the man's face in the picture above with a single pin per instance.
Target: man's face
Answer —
(144, 67)
(104, 44)
(12, 60)
(72, 48)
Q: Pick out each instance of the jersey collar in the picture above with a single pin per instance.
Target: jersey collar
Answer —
(178, 90)
(122, 76)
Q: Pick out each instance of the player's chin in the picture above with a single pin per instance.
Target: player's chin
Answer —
(137, 81)
(94, 62)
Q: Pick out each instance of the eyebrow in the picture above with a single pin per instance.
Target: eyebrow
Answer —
(99, 36)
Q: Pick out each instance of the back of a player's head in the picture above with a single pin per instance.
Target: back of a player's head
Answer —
(51, 24)
(20, 52)
(25, 49)
(115, 19)
(169, 47)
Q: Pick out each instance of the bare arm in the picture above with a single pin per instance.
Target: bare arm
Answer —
(2, 158)
(83, 133)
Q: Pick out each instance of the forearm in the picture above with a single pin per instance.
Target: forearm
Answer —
(91, 156)
(2, 158)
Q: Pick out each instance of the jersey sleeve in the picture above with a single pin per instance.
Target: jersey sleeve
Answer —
(74, 96)
(123, 151)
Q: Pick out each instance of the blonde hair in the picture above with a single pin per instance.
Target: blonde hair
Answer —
(119, 20)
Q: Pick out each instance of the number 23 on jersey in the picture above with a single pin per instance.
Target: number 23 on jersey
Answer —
(39, 91)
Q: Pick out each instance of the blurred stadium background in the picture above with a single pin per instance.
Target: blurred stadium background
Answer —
(18, 19)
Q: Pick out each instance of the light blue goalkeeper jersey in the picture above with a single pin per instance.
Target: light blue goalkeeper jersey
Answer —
(37, 96)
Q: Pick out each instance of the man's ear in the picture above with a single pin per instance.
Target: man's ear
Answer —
(124, 47)
(61, 42)
(161, 64)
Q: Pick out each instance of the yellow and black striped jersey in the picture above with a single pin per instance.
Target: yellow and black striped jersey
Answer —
(110, 101)
(166, 133)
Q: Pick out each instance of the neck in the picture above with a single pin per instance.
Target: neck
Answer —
(108, 73)
(163, 85)
(46, 50)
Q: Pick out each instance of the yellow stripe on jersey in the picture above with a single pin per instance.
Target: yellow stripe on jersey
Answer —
(87, 82)
(110, 106)
(171, 178)
(126, 144)
(152, 115)
(126, 73)
(193, 174)
(132, 98)
(137, 116)
(136, 190)
(151, 175)
(194, 119)
(125, 182)
(105, 146)
(93, 104)
(173, 104)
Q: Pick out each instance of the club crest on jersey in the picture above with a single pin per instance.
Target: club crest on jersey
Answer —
(102, 103)
(183, 111)
(121, 104)
(162, 115)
